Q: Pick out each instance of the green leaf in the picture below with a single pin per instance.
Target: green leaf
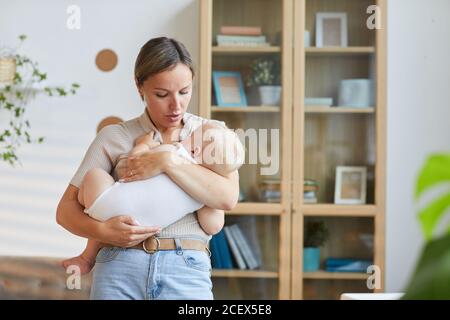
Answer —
(431, 279)
(436, 170)
(22, 37)
(61, 92)
(430, 216)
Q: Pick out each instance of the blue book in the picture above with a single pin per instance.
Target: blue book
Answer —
(347, 265)
(225, 255)
(215, 254)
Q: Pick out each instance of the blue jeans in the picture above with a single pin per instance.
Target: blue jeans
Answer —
(133, 274)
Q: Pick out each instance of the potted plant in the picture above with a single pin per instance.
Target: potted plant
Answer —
(20, 80)
(265, 77)
(430, 279)
(316, 233)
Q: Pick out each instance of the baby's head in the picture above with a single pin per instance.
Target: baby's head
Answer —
(216, 147)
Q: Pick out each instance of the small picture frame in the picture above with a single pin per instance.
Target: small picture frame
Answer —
(229, 89)
(350, 187)
(331, 29)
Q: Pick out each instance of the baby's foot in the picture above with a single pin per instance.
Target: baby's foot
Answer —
(84, 265)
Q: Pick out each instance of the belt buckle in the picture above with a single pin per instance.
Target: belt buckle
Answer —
(151, 251)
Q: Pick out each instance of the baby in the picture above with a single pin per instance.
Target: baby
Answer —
(158, 201)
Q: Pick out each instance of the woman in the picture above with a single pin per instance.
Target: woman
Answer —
(136, 265)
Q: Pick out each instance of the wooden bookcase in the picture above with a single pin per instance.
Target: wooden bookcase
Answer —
(313, 141)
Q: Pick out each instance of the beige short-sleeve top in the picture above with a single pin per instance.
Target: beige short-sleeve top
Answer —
(114, 142)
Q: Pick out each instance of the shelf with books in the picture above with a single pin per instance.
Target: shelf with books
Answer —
(247, 248)
(328, 140)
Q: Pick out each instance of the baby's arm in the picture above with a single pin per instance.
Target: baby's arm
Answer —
(211, 220)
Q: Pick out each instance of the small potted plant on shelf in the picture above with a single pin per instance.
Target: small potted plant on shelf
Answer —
(316, 233)
(265, 77)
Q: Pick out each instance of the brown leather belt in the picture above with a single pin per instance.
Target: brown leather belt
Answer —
(153, 244)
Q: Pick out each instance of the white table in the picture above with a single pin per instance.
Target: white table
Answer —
(371, 296)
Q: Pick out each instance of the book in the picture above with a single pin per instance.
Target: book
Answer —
(244, 247)
(255, 39)
(347, 265)
(247, 224)
(248, 41)
(240, 30)
(234, 248)
(224, 250)
(215, 254)
(243, 44)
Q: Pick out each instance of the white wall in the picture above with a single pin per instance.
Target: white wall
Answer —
(29, 194)
(418, 108)
(418, 119)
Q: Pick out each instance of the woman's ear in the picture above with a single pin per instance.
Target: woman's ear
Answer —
(139, 88)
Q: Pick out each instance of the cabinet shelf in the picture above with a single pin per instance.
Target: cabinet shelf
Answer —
(251, 109)
(338, 210)
(256, 208)
(325, 275)
(244, 50)
(312, 142)
(235, 273)
(330, 51)
(338, 109)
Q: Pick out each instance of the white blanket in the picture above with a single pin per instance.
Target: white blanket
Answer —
(157, 201)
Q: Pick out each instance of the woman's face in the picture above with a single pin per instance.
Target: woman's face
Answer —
(168, 94)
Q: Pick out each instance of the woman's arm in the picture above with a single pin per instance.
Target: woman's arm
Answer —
(119, 231)
(202, 184)
(211, 220)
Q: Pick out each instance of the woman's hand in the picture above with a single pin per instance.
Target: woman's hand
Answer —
(125, 232)
(149, 164)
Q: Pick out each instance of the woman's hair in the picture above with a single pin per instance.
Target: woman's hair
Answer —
(158, 55)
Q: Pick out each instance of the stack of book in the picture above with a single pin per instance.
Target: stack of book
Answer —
(241, 36)
(230, 248)
(310, 188)
(270, 191)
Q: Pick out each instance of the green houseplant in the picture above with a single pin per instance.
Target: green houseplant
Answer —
(316, 234)
(431, 279)
(265, 77)
(20, 80)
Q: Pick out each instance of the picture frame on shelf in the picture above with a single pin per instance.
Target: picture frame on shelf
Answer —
(350, 186)
(331, 29)
(229, 89)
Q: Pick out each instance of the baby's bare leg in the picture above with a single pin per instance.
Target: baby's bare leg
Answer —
(86, 260)
(94, 183)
